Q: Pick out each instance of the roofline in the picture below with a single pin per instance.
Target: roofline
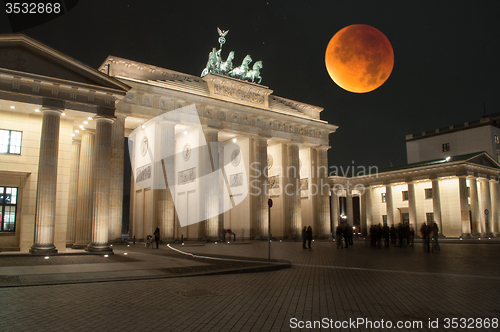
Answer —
(490, 120)
(61, 56)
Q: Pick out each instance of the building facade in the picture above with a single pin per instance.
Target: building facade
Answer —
(455, 140)
(460, 194)
(62, 126)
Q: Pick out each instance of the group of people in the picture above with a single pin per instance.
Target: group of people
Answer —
(307, 235)
(400, 236)
(345, 233)
(430, 232)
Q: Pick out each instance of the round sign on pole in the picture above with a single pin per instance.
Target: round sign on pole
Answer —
(486, 211)
(270, 202)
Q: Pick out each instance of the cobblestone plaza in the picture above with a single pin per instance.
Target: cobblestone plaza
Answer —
(393, 285)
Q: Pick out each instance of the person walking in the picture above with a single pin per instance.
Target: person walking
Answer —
(435, 235)
(309, 236)
(424, 231)
(338, 236)
(346, 235)
(157, 237)
(304, 237)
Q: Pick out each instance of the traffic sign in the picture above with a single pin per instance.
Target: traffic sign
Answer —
(270, 202)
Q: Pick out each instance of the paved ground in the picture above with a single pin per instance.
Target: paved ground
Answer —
(407, 285)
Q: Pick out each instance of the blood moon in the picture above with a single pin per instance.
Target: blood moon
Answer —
(359, 58)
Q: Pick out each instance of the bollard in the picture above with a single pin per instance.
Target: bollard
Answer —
(182, 238)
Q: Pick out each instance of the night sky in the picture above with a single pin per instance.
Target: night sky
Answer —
(446, 57)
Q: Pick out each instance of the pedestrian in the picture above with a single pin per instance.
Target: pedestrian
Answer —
(346, 235)
(157, 237)
(394, 233)
(424, 231)
(304, 237)
(435, 235)
(350, 234)
(338, 236)
(385, 235)
(309, 236)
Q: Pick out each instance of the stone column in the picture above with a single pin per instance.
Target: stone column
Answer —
(349, 207)
(412, 206)
(464, 206)
(334, 201)
(292, 191)
(165, 150)
(485, 204)
(260, 187)
(101, 179)
(474, 207)
(85, 192)
(325, 230)
(368, 208)
(389, 203)
(436, 205)
(493, 229)
(116, 183)
(45, 215)
(211, 190)
(73, 191)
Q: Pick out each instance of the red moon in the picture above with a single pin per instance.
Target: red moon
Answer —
(359, 58)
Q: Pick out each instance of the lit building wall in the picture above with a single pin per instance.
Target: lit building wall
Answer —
(450, 207)
(460, 142)
(25, 166)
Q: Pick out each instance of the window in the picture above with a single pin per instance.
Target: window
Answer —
(384, 219)
(468, 191)
(10, 141)
(430, 217)
(498, 157)
(428, 193)
(405, 195)
(383, 197)
(446, 147)
(496, 139)
(8, 208)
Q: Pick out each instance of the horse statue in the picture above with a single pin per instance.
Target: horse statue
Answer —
(227, 65)
(254, 73)
(240, 72)
(213, 60)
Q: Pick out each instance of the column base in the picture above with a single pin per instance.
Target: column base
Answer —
(466, 235)
(79, 246)
(42, 250)
(100, 248)
(489, 234)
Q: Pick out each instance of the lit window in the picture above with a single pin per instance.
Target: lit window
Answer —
(430, 217)
(428, 193)
(405, 195)
(446, 147)
(10, 141)
(496, 139)
(383, 197)
(8, 209)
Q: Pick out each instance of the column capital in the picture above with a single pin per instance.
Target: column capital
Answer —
(210, 130)
(104, 118)
(322, 147)
(52, 110)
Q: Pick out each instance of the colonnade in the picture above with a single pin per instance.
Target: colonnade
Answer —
(91, 182)
(478, 205)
